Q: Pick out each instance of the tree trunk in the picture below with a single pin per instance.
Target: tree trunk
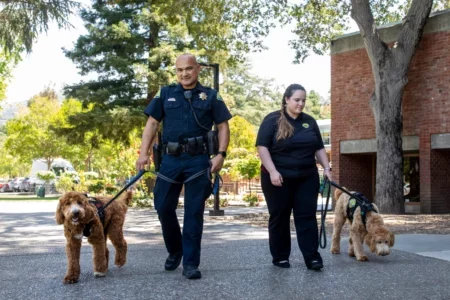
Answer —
(387, 110)
(389, 68)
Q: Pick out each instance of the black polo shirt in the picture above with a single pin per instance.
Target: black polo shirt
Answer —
(294, 156)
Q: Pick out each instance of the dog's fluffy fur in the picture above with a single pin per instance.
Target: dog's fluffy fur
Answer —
(75, 211)
(375, 234)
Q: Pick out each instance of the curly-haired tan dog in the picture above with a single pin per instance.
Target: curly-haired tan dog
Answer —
(75, 212)
(375, 234)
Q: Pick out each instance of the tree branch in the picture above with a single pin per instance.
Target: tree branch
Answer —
(412, 29)
(362, 14)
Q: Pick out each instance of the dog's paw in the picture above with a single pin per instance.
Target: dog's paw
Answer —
(362, 258)
(69, 279)
(99, 274)
(120, 263)
(335, 251)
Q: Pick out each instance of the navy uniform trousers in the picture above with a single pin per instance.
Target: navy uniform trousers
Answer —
(196, 191)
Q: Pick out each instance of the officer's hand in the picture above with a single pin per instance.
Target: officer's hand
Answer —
(327, 173)
(217, 163)
(276, 178)
(144, 159)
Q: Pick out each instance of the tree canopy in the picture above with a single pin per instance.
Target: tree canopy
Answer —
(132, 47)
(22, 21)
(318, 22)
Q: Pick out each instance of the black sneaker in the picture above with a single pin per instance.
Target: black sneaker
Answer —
(191, 272)
(173, 261)
(282, 264)
(315, 265)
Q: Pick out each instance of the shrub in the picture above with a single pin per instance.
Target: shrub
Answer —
(251, 199)
(46, 175)
(65, 184)
(96, 186)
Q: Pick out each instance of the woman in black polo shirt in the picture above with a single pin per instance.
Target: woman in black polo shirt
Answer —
(288, 144)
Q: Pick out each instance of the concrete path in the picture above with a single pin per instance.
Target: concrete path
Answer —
(236, 264)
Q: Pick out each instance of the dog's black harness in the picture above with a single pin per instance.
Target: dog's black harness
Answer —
(100, 213)
(359, 200)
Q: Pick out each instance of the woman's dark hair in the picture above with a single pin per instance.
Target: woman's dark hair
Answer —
(285, 129)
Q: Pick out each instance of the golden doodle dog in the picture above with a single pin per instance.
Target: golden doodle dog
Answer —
(374, 233)
(80, 216)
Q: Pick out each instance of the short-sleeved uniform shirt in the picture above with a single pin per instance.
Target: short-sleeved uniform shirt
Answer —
(171, 107)
(294, 156)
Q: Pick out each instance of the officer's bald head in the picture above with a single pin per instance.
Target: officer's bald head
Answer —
(187, 70)
(186, 56)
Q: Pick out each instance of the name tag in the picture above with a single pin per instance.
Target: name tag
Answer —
(171, 99)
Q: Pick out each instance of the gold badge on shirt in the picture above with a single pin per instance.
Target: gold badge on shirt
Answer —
(203, 96)
(305, 125)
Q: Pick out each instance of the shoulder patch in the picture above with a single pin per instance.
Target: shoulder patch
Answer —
(219, 97)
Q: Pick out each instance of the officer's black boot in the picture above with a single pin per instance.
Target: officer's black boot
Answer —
(173, 261)
(191, 272)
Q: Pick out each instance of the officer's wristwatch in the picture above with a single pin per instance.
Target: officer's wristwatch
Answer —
(223, 153)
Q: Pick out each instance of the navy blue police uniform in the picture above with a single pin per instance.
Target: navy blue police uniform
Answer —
(172, 108)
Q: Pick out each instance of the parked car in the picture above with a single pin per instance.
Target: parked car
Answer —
(25, 185)
(16, 183)
(406, 189)
(4, 186)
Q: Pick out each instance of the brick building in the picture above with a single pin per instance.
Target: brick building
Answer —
(426, 117)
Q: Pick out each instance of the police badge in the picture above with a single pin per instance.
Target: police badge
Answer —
(203, 96)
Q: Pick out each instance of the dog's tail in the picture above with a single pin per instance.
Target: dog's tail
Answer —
(337, 193)
(127, 197)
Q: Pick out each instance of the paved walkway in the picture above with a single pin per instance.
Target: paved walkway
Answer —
(235, 265)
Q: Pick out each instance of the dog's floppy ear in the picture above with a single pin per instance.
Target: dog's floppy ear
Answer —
(370, 241)
(59, 216)
(392, 239)
(337, 194)
(89, 212)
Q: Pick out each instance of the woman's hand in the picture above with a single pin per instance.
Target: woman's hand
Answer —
(327, 173)
(276, 178)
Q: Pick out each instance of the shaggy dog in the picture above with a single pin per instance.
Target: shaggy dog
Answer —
(374, 234)
(76, 212)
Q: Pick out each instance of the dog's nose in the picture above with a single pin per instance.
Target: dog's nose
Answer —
(76, 213)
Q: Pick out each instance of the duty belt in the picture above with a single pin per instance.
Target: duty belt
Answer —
(196, 147)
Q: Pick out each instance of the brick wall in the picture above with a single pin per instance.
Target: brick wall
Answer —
(440, 185)
(426, 110)
(356, 173)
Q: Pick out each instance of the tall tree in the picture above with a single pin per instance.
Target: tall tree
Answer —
(132, 46)
(249, 96)
(7, 62)
(319, 21)
(312, 106)
(22, 20)
(30, 136)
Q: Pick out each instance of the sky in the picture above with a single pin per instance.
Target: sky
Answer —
(47, 64)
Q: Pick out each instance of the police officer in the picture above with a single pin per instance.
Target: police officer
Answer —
(188, 111)
(289, 142)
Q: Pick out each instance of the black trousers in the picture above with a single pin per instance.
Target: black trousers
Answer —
(300, 196)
